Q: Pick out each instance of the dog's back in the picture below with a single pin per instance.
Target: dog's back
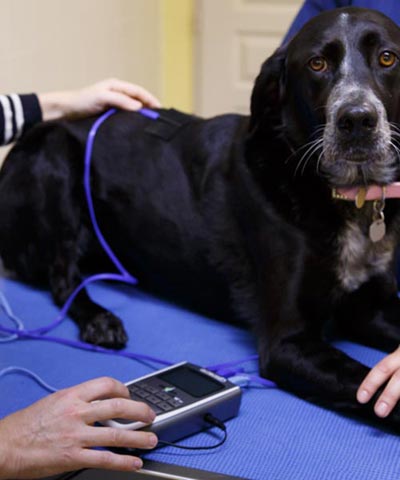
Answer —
(151, 184)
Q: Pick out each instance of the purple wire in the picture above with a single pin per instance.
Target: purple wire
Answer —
(228, 365)
(231, 369)
(88, 155)
(71, 298)
(91, 348)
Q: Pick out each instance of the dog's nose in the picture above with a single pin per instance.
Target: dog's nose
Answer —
(357, 120)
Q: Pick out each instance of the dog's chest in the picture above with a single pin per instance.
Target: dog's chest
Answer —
(359, 258)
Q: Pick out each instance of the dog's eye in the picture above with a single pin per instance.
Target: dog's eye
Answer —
(318, 64)
(387, 59)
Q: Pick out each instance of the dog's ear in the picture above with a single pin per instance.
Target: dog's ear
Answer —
(268, 91)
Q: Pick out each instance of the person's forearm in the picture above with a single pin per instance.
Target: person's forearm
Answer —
(7, 464)
(55, 105)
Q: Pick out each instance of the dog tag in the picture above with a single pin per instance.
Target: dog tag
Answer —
(377, 230)
(360, 197)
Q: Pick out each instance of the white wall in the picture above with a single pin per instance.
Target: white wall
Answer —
(56, 44)
(60, 44)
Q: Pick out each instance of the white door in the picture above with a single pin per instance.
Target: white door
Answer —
(233, 38)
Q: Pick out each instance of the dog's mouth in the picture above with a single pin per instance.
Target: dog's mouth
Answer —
(360, 167)
(359, 158)
(375, 161)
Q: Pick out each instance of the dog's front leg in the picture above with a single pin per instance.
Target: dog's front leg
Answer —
(322, 374)
(97, 325)
(371, 314)
(291, 346)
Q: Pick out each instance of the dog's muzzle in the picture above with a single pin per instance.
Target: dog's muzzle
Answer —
(357, 139)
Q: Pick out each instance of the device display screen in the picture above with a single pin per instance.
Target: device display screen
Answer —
(192, 382)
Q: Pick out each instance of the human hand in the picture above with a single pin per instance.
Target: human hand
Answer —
(387, 369)
(95, 99)
(56, 434)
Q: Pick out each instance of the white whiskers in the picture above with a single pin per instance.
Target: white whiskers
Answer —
(311, 148)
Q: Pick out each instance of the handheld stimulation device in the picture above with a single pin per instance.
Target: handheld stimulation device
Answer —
(183, 396)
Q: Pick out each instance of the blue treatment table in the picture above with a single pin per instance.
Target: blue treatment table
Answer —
(275, 436)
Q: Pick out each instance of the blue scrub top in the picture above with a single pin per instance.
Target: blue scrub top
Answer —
(310, 8)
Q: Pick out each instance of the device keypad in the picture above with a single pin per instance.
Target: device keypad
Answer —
(161, 398)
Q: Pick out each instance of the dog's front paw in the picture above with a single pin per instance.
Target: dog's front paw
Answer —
(106, 330)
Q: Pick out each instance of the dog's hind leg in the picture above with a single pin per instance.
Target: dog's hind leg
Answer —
(97, 325)
(43, 236)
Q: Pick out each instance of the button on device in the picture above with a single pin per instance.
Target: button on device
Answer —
(142, 394)
(165, 406)
(175, 402)
(153, 399)
(163, 396)
(150, 389)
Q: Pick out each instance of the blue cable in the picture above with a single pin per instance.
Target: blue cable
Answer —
(22, 333)
(7, 310)
(29, 373)
(125, 275)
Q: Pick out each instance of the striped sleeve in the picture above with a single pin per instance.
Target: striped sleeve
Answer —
(17, 114)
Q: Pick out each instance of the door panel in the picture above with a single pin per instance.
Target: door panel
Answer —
(233, 38)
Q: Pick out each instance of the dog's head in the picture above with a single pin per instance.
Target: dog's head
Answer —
(334, 92)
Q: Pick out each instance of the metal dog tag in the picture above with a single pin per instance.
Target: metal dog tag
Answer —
(377, 230)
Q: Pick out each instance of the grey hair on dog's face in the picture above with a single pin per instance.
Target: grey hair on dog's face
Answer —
(375, 160)
(346, 110)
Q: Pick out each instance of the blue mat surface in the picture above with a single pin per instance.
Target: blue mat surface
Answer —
(276, 435)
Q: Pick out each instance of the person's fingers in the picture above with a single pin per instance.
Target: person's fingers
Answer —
(134, 91)
(389, 397)
(118, 408)
(108, 460)
(377, 376)
(111, 98)
(118, 437)
(99, 388)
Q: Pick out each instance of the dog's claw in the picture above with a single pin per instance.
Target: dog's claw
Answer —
(105, 330)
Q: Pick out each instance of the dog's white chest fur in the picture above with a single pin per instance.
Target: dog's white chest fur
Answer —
(360, 258)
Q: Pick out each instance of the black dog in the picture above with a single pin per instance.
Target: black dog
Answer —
(235, 215)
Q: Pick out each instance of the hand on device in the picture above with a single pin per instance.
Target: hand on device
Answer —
(56, 434)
